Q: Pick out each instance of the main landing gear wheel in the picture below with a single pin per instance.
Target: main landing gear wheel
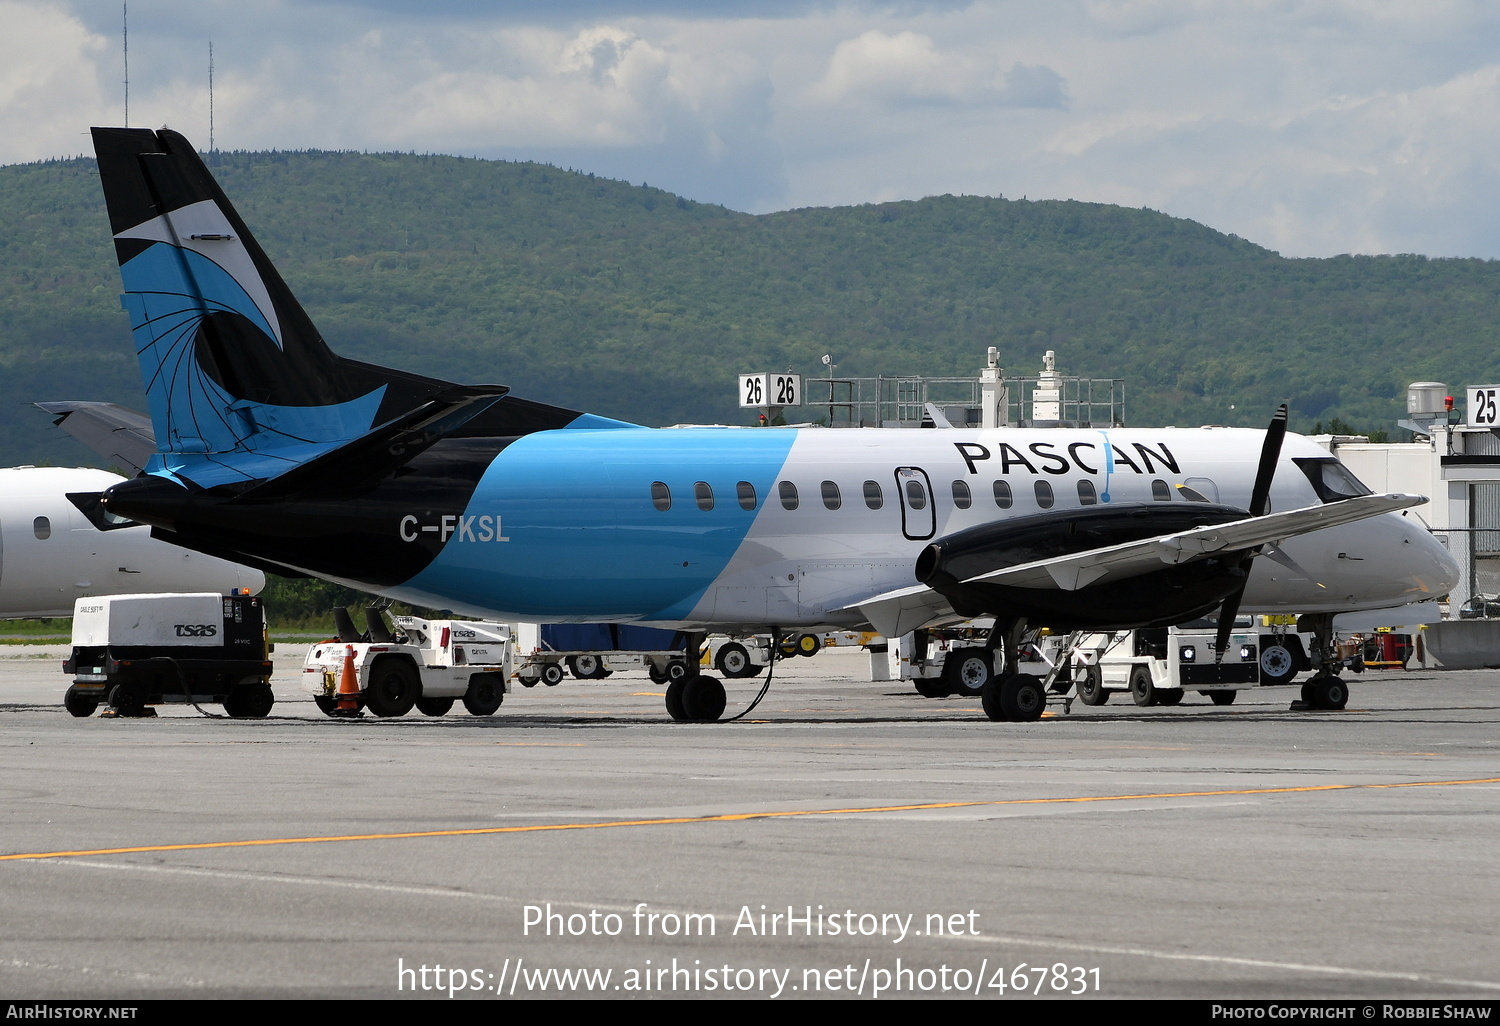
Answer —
(587, 667)
(1277, 666)
(967, 671)
(1021, 698)
(1090, 685)
(1222, 697)
(392, 688)
(485, 694)
(79, 703)
(552, 674)
(434, 706)
(250, 701)
(733, 660)
(703, 698)
(675, 706)
(1142, 690)
(1326, 693)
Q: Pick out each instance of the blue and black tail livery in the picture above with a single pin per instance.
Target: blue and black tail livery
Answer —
(241, 386)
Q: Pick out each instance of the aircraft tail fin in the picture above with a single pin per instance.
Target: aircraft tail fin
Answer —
(240, 384)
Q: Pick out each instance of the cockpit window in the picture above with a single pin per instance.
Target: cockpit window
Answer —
(1331, 479)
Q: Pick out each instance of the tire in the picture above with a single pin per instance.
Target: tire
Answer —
(733, 661)
(434, 706)
(1330, 693)
(552, 674)
(1022, 698)
(1169, 696)
(1142, 690)
(529, 682)
(656, 674)
(967, 671)
(787, 648)
(703, 699)
(1090, 685)
(1277, 665)
(586, 667)
(809, 644)
(1222, 697)
(327, 703)
(128, 699)
(485, 694)
(932, 687)
(989, 698)
(79, 703)
(1309, 691)
(250, 701)
(679, 670)
(675, 707)
(392, 687)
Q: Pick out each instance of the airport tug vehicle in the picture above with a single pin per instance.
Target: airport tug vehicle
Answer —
(426, 664)
(138, 651)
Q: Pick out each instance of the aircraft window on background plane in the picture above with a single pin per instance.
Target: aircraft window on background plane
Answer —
(874, 497)
(788, 495)
(961, 497)
(1003, 498)
(916, 495)
(42, 528)
(831, 497)
(704, 493)
(747, 494)
(661, 496)
(1086, 495)
(1044, 495)
(1161, 491)
(1199, 489)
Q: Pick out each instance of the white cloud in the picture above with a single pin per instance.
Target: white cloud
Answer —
(49, 81)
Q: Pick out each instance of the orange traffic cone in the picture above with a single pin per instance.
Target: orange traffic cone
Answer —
(349, 703)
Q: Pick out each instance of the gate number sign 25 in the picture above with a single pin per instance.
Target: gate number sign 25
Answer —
(1482, 405)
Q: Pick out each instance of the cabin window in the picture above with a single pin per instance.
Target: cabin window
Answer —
(661, 496)
(1044, 495)
(916, 495)
(874, 497)
(961, 497)
(42, 528)
(1086, 495)
(788, 495)
(831, 497)
(746, 492)
(1199, 489)
(1161, 491)
(1003, 498)
(704, 493)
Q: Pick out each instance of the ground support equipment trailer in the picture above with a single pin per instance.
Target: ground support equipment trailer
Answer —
(426, 664)
(958, 660)
(138, 651)
(1157, 666)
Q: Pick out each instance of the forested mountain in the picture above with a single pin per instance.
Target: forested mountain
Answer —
(628, 301)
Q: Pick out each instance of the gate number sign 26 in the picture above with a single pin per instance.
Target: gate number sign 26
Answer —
(770, 390)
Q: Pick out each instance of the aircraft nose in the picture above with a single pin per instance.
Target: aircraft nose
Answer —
(1425, 562)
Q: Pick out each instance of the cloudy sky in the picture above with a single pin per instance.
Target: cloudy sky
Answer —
(1314, 127)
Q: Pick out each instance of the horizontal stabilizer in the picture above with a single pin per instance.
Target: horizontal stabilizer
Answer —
(119, 434)
(1132, 559)
(357, 466)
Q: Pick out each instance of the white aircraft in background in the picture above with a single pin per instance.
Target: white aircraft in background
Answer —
(53, 550)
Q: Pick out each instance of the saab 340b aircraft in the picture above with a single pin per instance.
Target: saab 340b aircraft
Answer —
(274, 451)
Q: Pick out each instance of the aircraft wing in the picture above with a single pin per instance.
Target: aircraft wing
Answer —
(1131, 559)
(900, 612)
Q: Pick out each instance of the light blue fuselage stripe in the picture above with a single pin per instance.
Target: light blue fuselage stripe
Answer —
(583, 533)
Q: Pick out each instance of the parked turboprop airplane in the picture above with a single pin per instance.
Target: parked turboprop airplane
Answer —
(53, 551)
(276, 451)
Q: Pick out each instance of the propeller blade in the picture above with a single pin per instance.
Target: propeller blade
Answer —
(1227, 612)
(1270, 452)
